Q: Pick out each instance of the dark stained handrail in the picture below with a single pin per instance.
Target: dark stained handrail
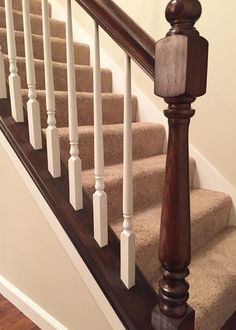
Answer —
(124, 31)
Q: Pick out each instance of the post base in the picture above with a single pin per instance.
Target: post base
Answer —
(162, 322)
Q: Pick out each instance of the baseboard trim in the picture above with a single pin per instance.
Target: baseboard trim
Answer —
(28, 307)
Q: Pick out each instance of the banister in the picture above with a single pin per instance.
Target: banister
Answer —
(128, 35)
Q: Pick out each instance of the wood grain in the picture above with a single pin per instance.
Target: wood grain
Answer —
(124, 31)
(12, 319)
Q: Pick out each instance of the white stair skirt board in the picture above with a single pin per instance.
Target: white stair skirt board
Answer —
(28, 307)
(78, 262)
(208, 177)
(3, 90)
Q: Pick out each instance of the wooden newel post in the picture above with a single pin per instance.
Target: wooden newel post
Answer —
(180, 77)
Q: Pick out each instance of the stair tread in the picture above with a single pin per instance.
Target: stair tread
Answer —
(150, 135)
(57, 27)
(81, 51)
(148, 180)
(35, 6)
(206, 219)
(83, 76)
(140, 166)
(213, 281)
(112, 107)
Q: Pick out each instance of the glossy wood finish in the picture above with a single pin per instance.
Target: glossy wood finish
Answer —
(175, 243)
(133, 306)
(180, 78)
(12, 319)
(126, 33)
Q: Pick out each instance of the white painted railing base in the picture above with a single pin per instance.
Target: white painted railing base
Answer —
(16, 98)
(3, 90)
(35, 133)
(100, 218)
(53, 151)
(75, 183)
(127, 258)
(27, 306)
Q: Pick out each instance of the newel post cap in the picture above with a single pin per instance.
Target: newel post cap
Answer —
(182, 56)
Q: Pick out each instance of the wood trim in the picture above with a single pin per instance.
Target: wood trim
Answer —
(133, 306)
(231, 323)
(127, 34)
(28, 307)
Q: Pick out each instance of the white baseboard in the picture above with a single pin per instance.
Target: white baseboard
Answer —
(28, 307)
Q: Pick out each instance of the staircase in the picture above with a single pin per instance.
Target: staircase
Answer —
(212, 271)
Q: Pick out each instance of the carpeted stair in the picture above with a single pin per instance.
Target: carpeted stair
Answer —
(213, 274)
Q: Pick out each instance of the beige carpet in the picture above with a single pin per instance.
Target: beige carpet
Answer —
(213, 271)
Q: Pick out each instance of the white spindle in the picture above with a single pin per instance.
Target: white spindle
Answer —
(74, 162)
(33, 111)
(127, 235)
(14, 79)
(52, 136)
(99, 197)
(3, 91)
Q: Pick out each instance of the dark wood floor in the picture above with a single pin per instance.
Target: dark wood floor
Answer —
(12, 319)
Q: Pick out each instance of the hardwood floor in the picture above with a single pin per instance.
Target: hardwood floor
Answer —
(12, 319)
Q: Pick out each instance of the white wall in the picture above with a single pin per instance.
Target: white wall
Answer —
(34, 261)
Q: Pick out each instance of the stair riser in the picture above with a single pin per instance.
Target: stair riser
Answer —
(151, 141)
(84, 77)
(81, 52)
(112, 108)
(147, 191)
(35, 6)
(57, 28)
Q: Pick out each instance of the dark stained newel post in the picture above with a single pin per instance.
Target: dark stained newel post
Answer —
(180, 77)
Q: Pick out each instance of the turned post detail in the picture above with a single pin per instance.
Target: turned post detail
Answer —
(180, 77)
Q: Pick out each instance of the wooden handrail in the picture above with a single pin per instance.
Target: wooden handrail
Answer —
(124, 31)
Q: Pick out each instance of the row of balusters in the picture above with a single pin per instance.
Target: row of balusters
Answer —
(52, 135)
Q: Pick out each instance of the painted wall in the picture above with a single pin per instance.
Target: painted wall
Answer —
(34, 261)
(213, 129)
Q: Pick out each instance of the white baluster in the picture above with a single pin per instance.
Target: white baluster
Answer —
(52, 136)
(99, 197)
(14, 79)
(127, 235)
(3, 90)
(74, 162)
(33, 111)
